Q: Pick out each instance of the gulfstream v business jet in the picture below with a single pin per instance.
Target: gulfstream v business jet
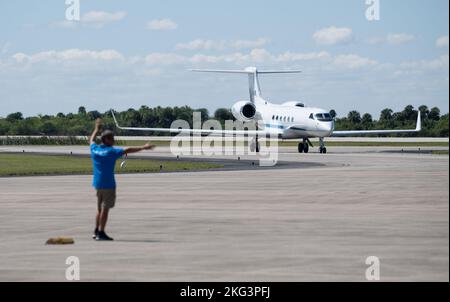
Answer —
(289, 120)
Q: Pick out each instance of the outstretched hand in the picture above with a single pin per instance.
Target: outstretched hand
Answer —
(148, 146)
(98, 124)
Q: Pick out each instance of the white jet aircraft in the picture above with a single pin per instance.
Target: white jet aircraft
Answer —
(289, 120)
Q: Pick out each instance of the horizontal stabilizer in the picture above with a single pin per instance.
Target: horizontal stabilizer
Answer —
(248, 70)
(252, 72)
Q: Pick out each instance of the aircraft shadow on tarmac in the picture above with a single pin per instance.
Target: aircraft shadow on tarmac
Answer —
(138, 240)
(229, 164)
(242, 164)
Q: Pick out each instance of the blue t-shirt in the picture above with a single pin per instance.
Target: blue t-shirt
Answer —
(104, 160)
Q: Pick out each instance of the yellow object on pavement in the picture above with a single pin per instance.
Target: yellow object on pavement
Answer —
(60, 240)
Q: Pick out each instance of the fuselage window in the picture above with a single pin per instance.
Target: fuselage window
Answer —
(273, 117)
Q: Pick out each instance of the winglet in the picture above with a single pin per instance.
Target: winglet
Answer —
(115, 120)
(419, 122)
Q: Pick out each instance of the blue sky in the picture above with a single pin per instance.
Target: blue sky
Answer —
(124, 54)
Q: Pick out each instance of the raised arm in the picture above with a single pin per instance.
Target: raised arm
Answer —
(98, 126)
(147, 146)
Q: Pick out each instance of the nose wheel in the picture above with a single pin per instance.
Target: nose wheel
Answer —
(322, 148)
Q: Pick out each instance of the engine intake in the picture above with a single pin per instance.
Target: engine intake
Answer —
(244, 111)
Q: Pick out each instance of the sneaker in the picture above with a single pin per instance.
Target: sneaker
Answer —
(103, 237)
(94, 236)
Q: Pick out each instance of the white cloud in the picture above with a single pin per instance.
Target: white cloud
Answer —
(200, 58)
(65, 24)
(442, 42)
(352, 61)
(401, 38)
(164, 59)
(392, 39)
(260, 55)
(68, 55)
(290, 56)
(440, 63)
(173, 59)
(242, 44)
(375, 40)
(162, 24)
(100, 18)
(333, 35)
(99, 76)
(96, 19)
(19, 57)
(200, 44)
(255, 56)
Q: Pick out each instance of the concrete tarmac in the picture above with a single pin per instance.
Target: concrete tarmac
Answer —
(316, 222)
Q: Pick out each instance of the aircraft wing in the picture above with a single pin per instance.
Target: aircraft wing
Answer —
(360, 132)
(193, 131)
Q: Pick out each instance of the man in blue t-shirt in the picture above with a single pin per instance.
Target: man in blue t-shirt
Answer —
(104, 158)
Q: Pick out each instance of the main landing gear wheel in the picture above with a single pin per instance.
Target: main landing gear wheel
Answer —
(303, 148)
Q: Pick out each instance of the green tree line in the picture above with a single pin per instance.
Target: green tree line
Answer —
(80, 123)
(433, 123)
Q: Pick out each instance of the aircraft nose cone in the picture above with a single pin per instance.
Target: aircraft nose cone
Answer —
(327, 127)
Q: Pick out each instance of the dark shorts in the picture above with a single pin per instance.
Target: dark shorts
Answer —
(106, 198)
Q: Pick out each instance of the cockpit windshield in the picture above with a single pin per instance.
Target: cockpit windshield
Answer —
(323, 117)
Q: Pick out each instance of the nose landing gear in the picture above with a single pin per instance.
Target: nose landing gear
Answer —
(322, 148)
(303, 146)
